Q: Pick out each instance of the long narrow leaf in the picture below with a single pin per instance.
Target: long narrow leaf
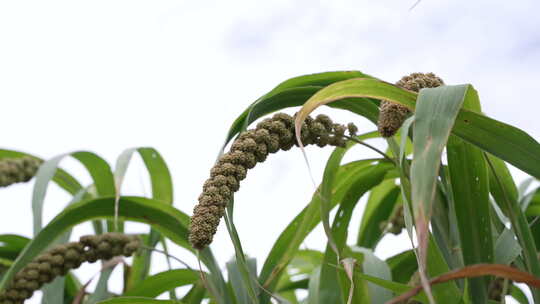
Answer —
(470, 191)
(509, 143)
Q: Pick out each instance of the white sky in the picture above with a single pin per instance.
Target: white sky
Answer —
(109, 75)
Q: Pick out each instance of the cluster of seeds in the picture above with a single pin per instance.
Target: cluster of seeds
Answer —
(18, 170)
(60, 259)
(251, 147)
(496, 289)
(395, 223)
(392, 115)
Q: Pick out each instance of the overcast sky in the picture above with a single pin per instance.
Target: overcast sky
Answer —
(109, 75)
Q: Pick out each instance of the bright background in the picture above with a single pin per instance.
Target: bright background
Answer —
(109, 75)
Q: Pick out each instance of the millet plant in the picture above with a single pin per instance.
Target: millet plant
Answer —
(475, 232)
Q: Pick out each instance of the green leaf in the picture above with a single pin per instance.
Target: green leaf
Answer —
(397, 288)
(196, 294)
(435, 114)
(248, 277)
(159, 283)
(448, 292)
(470, 190)
(98, 168)
(403, 265)
(305, 261)
(379, 207)
(11, 245)
(507, 142)
(373, 266)
(501, 182)
(330, 283)
(286, 246)
(162, 190)
(313, 287)
(507, 249)
(138, 300)
(237, 281)
(519, 295)
(292, 92)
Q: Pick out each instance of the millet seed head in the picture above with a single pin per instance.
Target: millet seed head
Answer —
(18, 170)
(392, 115)
(250, 148)
(60, 259)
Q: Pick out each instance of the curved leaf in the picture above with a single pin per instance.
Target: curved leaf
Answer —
(507, 142)
(292, 92)
(98, 168)
(11, 245)
(162, 190)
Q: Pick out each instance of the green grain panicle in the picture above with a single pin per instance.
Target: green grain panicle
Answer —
(18, 170)
(252, 147)
(392, 115)
(60, 259)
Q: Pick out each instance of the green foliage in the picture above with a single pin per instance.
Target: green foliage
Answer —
(481, 222)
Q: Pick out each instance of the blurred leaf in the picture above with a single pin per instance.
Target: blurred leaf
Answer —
(159, 283)
(507, 248)
(162, 190)
(313, 287)
(305, 261)
(507, 198)
(375, 267)
(196, 294)
(138, 300)
(290, 239)
(101, 291)
(403, 266)
(237, 281)
(518, 295)
(382, 201)
(11, 245)
(436, 265)
(249, 278)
